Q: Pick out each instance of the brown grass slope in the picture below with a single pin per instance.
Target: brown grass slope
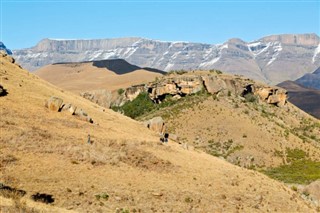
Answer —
(306, 99)
(84, 76)
(46, 152)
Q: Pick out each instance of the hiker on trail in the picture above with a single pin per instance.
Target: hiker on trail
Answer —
(166, 137)
(89, 141)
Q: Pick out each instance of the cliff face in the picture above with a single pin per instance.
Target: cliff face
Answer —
(271, 59)
(214, 84)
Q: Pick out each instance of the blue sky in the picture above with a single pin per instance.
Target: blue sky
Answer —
(24, 23)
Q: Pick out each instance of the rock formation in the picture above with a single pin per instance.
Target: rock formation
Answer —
(175, 86)
(102, 97)
(56, 104)
(272, 95)
(156, 124)
(182, 85)
(313, 189)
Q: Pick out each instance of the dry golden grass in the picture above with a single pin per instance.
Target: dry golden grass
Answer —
(253, 135)
(125, 163)
(85, 77)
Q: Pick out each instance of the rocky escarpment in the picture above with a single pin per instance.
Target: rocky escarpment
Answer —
(215, 84)
(272, 59)
(178, 86)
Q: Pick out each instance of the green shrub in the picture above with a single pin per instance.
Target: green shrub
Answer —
(300, 172)
(120, 91)
(250, 97)
(103, 195)
(140, 105)
(295, 155)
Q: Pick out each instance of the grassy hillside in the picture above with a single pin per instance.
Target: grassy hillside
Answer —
(245, 131)
(86, 76)
(124, 169)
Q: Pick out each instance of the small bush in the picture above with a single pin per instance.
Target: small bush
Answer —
(250, 97)
(294, 188)
(120, 91)
(103, 195)
(188, 200)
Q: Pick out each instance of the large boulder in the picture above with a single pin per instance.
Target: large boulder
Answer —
(83, 115)
(272, 95)
(102, 97)
(264, 93)
(156, 124)
(70, 108)
(213, 84)
(132, 92)
(54, 104)
(313, 189)
(175, 85)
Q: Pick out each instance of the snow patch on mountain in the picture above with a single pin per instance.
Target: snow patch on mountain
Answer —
(256, 48)
(169, 67)
(209, 62)
(277, 48)
(94, 55)
(316, 52)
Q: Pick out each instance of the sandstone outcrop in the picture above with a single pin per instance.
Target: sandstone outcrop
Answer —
(182, 85)
(215, 85)
(83, 115)
(132, 92)
(271, 95)
(102, 97)
(314, 189)
(56, 104)
(70, 108)
(156, 124)
(179, 86)
(175, 86)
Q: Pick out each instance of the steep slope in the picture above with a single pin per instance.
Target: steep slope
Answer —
(310, 80)
(123, 169)
(306, 99)
(271, 59)
(106, 74)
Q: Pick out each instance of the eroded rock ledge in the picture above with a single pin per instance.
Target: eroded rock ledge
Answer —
(191, 83)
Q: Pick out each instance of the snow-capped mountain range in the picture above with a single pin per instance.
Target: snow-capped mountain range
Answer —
(271, 59)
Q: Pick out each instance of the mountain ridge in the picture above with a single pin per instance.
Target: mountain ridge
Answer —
(271, 59)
